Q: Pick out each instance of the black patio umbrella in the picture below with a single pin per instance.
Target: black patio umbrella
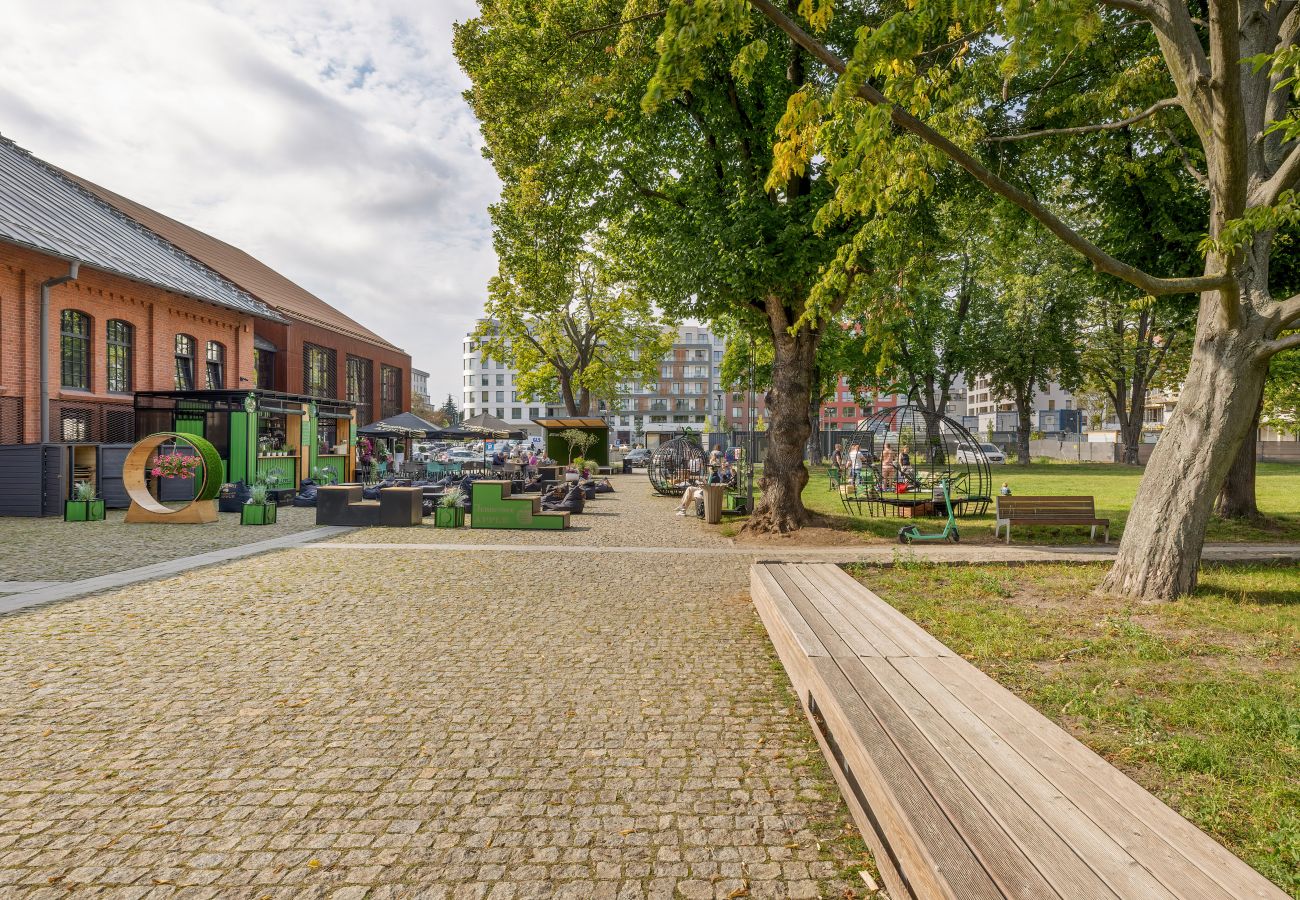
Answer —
(406, 423)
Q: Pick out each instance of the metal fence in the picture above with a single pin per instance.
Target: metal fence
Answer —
(11, 420)
(91, 422)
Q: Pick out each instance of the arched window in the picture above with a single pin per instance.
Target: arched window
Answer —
(216, 366)
(184, 362)
(74, 349)
(118, 355)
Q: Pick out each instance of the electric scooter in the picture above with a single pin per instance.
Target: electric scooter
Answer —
(909, 533)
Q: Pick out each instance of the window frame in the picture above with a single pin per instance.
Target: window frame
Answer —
(79, 341)
(184, 361)
(119, 356)
(214, 354)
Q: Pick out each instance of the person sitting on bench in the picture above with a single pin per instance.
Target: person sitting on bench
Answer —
(725, 476)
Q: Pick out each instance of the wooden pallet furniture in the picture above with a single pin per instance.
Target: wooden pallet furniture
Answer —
(492, 506)
(1047, 511)
(961, 789)
(343, 504)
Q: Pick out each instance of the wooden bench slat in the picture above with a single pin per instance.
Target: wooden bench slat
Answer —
(912, 638)
(1002, 859)
(962, 789)
(836, 646)
(806, 641)
(842, 619)
(1189, 862)
(935, 858)
(883, 641)
(1045, 821)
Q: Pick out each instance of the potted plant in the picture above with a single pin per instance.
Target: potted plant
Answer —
(574, 471)
(83, 507)
(259, 510)
(449, 513)
(324, 475)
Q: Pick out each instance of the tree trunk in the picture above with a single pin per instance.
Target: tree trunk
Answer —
(1023, 428)
(1161, 549)
(1130, 435)
(1237, 497)
(780, 509)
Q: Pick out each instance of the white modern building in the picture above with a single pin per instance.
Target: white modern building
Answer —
(987, 409)
(420, 386)
(687, 394)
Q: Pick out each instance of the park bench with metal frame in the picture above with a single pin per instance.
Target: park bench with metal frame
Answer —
(1012, 510)
(961, 789)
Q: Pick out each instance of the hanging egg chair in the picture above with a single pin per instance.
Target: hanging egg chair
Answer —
(906, 452)
(674, 463)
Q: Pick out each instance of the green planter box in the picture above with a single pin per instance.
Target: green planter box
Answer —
(257, 514)
(83, 510)
(449, 516)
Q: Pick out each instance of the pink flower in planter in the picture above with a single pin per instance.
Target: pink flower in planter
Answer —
(157, 470)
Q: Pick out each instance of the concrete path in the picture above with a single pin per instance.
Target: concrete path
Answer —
(37, 593)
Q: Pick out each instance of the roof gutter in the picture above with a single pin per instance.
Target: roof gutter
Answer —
(74, 268)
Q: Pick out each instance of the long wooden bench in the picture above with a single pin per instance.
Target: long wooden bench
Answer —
(961, 789)
(1047, 511)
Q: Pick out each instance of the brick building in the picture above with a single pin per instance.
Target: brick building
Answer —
(313, 349)
(127, 311)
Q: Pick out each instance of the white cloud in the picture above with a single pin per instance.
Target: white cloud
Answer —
(328, 139)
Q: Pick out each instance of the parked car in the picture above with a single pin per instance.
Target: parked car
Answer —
(991, 453)
(460, 456)
(638, 457)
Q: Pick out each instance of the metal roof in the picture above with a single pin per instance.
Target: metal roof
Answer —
(245, 270)
(43, 210)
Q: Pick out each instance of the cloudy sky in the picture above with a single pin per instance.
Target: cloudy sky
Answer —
(326, 137)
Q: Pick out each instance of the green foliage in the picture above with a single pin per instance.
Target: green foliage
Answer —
(258, 494)
(324, 475)
(451, 498)
(83, 491)
(1281, 410)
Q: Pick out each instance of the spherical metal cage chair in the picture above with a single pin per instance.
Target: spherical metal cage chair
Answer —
(906, 452)
(674, 463)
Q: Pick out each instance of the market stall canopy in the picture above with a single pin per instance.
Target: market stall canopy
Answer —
(406, 423)
(570, 422)
(484, 424)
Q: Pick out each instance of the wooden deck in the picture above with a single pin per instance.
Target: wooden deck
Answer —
(963, 790)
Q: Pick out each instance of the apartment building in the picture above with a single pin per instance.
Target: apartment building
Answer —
(687, 393)
(986, 409)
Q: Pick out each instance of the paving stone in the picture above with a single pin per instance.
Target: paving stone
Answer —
(384, 723)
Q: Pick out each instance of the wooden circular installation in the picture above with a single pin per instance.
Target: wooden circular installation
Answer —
(145, 508)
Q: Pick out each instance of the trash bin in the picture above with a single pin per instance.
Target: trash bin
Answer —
(713, 503)
(627, 467)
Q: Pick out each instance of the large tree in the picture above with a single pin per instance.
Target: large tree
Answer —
(580, 340)
(677, 188)
(1030, 330)
(1231, 72)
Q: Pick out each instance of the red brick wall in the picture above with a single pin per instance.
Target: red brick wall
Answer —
(289, 339)
(158, 316)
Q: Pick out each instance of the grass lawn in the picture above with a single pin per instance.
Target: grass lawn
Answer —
(1113, 486)
(1198, 700)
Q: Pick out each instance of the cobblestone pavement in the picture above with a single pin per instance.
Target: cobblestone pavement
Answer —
(633, 516)
(387, 723)
(50, 549)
